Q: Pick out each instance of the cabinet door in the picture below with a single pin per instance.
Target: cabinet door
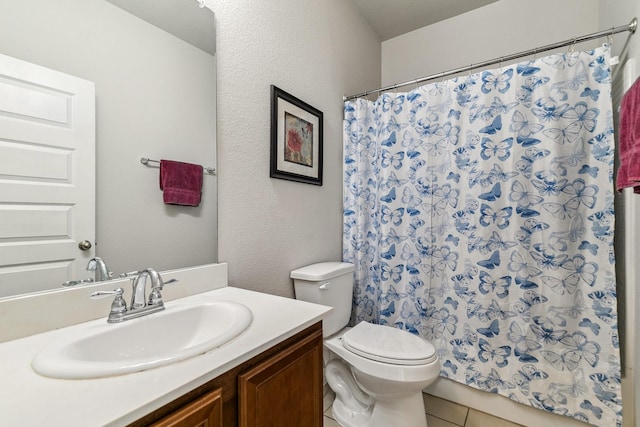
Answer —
(286, 389)
(205, 411)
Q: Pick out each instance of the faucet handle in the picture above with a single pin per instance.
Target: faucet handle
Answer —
(118, 305)
(155, 297)
(129, 275)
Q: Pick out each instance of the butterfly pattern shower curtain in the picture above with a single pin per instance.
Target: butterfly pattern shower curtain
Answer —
(479, 214)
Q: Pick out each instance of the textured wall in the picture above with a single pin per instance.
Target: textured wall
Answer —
(317, 51)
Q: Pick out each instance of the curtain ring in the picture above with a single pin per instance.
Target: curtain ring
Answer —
(535, 51)
(470, 68)
(572, 48)
(500, 63)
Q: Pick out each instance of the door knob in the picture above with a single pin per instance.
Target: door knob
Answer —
(85, 245)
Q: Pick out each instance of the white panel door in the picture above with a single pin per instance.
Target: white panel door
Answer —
(47, 176)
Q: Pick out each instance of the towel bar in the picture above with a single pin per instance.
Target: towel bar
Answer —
(146, 161)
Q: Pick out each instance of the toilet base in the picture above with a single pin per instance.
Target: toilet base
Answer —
(406, 412)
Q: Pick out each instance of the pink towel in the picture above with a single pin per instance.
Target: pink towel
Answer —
(181, 183)
(629, 150)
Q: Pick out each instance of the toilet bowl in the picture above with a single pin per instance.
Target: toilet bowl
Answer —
(377, 372)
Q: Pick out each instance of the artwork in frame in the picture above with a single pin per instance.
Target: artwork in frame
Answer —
(296, 139)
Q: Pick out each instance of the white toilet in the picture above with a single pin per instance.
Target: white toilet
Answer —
(390, 366)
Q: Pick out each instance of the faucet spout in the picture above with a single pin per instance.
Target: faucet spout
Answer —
(98, 265)
(138, 297)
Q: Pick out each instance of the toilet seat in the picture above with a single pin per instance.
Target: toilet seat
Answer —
(388, 345)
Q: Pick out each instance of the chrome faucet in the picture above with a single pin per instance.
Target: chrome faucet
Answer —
(98, 265)
(139, 305)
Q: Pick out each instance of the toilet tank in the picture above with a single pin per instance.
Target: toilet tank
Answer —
(327, 283)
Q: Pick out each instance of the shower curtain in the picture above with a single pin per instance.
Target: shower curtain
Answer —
(479, 214)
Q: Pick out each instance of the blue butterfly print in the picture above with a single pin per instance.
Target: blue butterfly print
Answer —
(525, 94)
(415, 167)
(545, 258)
(543, 329)
(586, 323)
(389, 103)
(527, 213)
(586, 169)
(566, 135)
(607, 389)
(499, 355)
(492, 331)
(390, 141)
(597, 412)
(581, 113)
(451, 366)
(389, 159)
(413, 95)
(391, 295)
(568, 285)
(392, 181)
(591, 93)
(493, 195)
(499, 82)
(499, 287)
(394, 273)
(451, 302)
(390, 253)
(522, 196)
(454, 113)
(526, 284)
(498, 217)
(493, 383)
(390, 197)
(454, 177)
(492, 262)
(523, 344)
(464, 92)
(526, 69)
(531, 154)
(562, 210)
(452, 239)
(588, 350)
(395, 216)
(415, 224)
(389, 310)
(391, 126)
(494, 127)
(528, 300)
(411, 202)
(530, 226)
(591, 247)
(523, 126)
(527, 374)
(521, 267)
(527, 142)
(392, 237)
(495, 242)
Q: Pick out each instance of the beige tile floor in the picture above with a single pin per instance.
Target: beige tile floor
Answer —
(442, 413)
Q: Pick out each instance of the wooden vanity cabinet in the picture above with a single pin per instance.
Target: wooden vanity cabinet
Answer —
(281, 386)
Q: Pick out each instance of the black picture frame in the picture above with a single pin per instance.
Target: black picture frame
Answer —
(296, 139)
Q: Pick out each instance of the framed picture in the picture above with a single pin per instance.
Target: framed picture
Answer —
(296, 139)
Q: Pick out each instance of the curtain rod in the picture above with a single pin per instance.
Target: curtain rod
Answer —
(631, 27)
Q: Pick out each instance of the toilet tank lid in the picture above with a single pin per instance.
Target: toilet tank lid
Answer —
(322, 271)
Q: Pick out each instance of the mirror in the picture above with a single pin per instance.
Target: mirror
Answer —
(153, 66)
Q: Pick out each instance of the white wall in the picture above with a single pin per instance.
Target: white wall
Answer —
(501, 28)
(498, 29)
(317, 51)
(154, 97)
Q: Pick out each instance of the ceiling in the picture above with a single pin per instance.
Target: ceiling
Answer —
(391, 18)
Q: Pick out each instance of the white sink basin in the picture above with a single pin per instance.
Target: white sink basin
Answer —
(182, 330)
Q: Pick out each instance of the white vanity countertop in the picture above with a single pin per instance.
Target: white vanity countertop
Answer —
(28, 399)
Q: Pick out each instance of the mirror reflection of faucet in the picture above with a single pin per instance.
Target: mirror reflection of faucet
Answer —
(139, 305)
(102, 272)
